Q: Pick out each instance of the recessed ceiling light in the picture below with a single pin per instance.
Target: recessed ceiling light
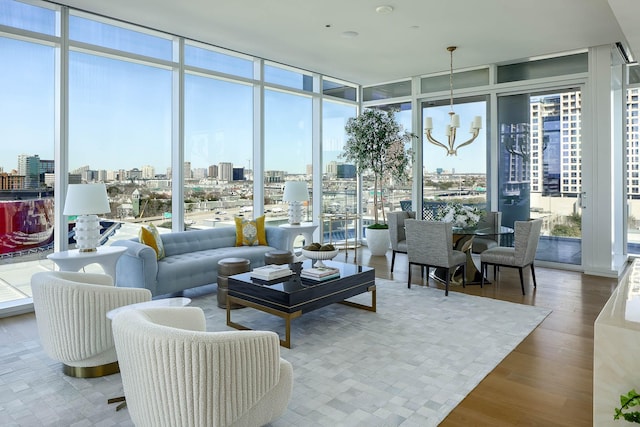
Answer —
(384, 9)
(349, 34)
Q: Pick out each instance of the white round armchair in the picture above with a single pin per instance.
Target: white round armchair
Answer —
(71, 313)
(176, 374)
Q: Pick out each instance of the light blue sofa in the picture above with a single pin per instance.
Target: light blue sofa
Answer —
(191, 258)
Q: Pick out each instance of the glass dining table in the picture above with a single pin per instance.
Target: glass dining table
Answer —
(462, 241)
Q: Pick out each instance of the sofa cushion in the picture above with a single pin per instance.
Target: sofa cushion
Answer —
(198, 240)
(183, 271)
(250, 233)
(151, 237)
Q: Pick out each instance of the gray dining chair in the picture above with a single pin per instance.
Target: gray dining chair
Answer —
(397, 233)
(527, 235)
(492, 222)
(430, 244)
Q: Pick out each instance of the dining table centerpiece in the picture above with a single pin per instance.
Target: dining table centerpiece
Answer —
(462, 216)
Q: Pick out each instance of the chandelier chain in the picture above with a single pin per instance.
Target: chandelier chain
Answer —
(451, 49)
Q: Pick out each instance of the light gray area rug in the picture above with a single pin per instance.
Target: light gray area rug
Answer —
(409, 364)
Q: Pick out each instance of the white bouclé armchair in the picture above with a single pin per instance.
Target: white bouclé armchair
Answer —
(71, 313)
(174, 373)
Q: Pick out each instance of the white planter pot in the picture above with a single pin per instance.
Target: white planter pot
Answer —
(378, 241)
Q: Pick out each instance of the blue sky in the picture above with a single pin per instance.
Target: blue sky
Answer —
(120, 118)
(471, 158)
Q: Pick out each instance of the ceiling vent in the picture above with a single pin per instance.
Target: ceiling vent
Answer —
(625, 54)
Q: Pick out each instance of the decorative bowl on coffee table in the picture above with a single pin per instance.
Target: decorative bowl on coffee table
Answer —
(319, 256)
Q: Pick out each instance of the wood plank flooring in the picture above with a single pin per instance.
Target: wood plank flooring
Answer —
(548, 379)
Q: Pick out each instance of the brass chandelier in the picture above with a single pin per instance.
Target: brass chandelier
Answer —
(454, 124)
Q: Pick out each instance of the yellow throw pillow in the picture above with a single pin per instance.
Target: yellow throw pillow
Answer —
(151, 237)
(250, 233)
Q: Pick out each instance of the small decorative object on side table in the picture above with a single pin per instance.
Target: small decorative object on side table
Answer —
(295, 192)
(86, 201)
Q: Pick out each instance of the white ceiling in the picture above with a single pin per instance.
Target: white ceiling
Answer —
(409, 41)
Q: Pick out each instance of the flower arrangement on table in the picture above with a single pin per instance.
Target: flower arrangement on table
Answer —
(460, 215)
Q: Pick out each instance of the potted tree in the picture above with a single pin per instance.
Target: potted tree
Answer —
(376, 143)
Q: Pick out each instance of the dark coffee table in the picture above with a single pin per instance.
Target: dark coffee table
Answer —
(291, 297)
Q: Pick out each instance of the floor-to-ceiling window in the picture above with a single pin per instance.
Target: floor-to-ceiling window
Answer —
(540, 155)
(633, 168)
(120, 131)
(27, 112)
(540, 172)
(218, 142)
(395, 192)
(459, 178)
(218, 179)
(120, 120)
(392, 97)
(339, 179)
(287, 151)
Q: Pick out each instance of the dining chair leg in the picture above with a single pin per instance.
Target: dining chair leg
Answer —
(533, 275)
(483, 271)
(393, 259)
(521, 279)
(495, 272)
(464, 275)
(446, 286)
(409, 280)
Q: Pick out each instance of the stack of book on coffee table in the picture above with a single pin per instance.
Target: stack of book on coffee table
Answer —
(271, 272)
(320, 273)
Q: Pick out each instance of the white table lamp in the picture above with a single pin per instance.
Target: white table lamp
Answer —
(86, 201)
(295, 192)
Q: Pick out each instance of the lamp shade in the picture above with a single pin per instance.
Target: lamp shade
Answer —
(295, 191)
(86, 199)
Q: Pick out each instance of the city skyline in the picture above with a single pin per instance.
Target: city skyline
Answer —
(434, 157)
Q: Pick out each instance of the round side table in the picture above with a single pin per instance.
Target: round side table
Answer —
(73, 260)
(228, 267)
(305, 229)
(278, 257)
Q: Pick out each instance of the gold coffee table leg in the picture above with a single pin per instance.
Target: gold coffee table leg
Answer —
(286, 316)
(371, 307)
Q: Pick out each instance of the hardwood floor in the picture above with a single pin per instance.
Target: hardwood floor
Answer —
(548, 379)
